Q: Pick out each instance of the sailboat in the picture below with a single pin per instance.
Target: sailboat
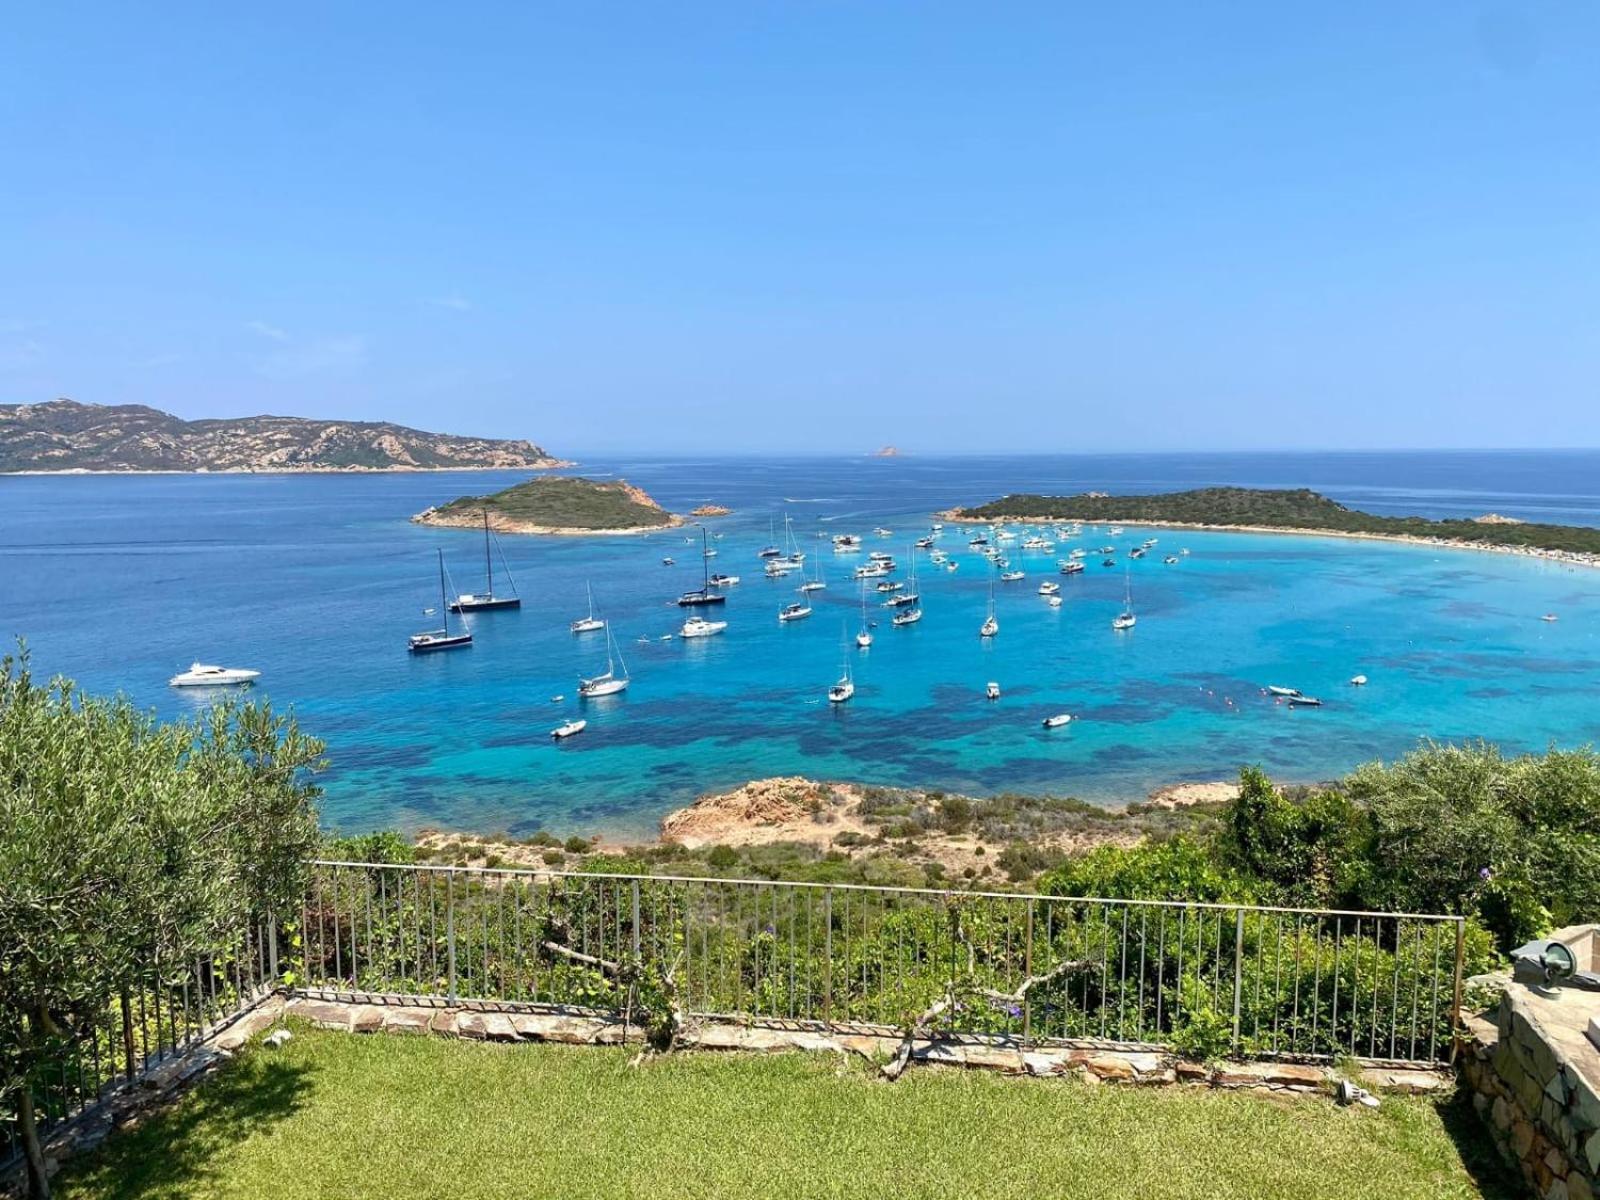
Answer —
(864, 638)
(844, 689)
(703, 595)
(818, 584)
(793, 557)
(990, 626)
(799, 610)
(770, 550)
(590, 623)
(608, 683)
(907, 598)
(477, 601)
(439, 639)
(1125, 619)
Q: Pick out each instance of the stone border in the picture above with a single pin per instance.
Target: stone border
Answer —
(1098, 1062)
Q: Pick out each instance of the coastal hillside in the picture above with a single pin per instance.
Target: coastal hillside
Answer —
(558, 504)
(64, 435)
(1263, 508)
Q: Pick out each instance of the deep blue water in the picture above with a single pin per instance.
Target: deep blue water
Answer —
(119, 581)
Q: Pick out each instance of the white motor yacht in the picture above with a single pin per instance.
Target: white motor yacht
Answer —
(206, 675)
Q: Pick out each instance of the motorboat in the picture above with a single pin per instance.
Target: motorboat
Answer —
(440, 639)
(1072, 567)
(1549, 617)
(1058, 720)
(991, 690)
(1170, 559)
(1358, 681)
(696, 627)
(1049, 587)
(487, 599)
(1304, 702)
(207, 675)
(846, 541)
(1053, 601)
(722, 581)
(1012, 576)
(591, 623)
(890, 586)
(882, 532)
(568, 729)
(1286, 693)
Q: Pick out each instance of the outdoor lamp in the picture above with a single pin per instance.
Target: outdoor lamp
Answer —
(1551, 963)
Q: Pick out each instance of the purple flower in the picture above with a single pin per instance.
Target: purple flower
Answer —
(1013, 1010)
(1485, 873)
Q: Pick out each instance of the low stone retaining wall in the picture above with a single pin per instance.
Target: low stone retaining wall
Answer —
(1535, 1081)
(1100, 1062)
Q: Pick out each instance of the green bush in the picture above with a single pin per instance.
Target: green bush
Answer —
(1180, 869)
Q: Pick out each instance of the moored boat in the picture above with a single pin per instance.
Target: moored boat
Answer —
(440, 639)
(208, 675)
(568, 729)
(487, 599)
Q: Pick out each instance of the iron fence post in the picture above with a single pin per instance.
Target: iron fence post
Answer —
(636, 921)
(827, 955)
(1455, 995)
(450, 935)
(127, 1033)
(1238, 971)
(1027, 974)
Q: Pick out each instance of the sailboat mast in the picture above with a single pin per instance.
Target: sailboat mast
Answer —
(705, 563)
(488, 560)
(444, 607)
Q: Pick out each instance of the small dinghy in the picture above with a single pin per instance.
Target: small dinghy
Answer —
(1056, 721)
(1304, 702)
(1358, 681)
(567, 730)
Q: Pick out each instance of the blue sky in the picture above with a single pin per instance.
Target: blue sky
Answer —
(815, 226)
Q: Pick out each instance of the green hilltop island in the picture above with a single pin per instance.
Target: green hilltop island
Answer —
(1297, 510)
(557, 504)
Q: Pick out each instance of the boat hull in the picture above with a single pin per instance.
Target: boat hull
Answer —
(481, 605)
(429, 645)
(700, 599)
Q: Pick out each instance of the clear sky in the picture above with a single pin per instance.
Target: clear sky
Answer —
(815, 226)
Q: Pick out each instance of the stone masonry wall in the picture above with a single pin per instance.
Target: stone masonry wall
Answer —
(1535, 1088)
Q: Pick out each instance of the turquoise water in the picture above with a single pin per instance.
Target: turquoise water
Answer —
(317, 580)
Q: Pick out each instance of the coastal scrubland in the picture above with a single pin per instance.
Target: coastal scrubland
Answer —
(336, 1114)
(555, 504)
(1288, 509)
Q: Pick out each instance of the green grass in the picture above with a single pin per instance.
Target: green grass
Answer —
(403, 1118)
(1286, 509)
(564, 502)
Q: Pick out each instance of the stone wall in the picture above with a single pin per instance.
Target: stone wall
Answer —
(1535, 1081)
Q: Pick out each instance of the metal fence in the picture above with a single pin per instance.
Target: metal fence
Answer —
(1250, 980)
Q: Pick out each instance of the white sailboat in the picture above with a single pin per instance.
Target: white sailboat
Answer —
(864, 638)
(990, 626)
(609, 682)
(816, 584)
(1125, 619)
(591, 623)
(797, 610)
(907, 597)
(844, 689)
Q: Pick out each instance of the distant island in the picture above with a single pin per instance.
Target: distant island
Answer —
(66, 436)
(557, 504)
(710, 510)
(1290, 511)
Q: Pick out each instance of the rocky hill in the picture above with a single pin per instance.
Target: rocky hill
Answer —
(64, 435)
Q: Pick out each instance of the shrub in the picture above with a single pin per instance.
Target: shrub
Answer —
(1180, 869)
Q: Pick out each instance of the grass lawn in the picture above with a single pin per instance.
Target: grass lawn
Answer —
(403, 1118)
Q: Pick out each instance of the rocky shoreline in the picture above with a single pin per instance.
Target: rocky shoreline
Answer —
(852, 819)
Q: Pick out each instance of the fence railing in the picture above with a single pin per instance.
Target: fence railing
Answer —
(1211, 978)
(165, 1010)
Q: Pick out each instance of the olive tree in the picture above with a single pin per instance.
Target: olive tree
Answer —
(126, 843)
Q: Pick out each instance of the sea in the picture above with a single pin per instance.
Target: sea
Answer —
(120, 581)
